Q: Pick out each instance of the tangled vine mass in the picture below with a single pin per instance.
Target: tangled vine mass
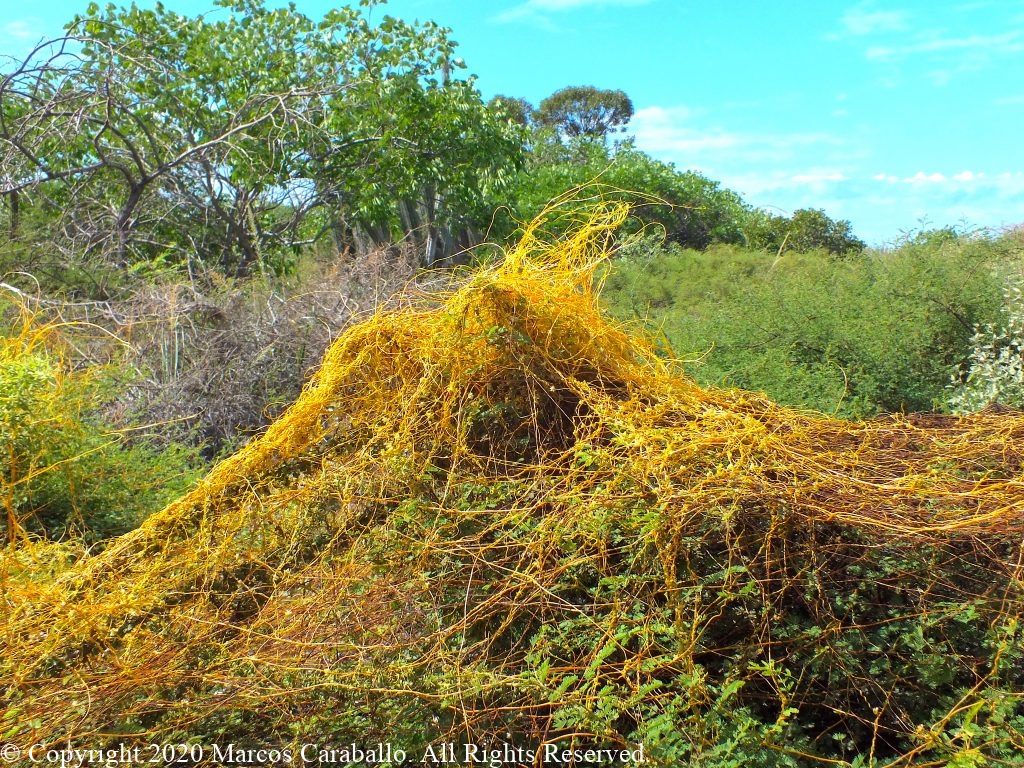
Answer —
(497, 517)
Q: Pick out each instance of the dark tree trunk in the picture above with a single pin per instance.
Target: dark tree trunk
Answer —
(14, 200)
(124, 223)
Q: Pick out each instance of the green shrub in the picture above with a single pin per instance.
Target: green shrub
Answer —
(63, 471)
(806, 230)
(995, 372)
(870, 333)
(688, 208)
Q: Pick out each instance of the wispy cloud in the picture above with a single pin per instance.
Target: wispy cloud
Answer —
(1005, 182)
(971, 198)
(808, 187)
(861, 21)
(782, 171)
(675, 132)
(946, 57)
(818, 177)
(921, 178)
(925, 178)
(785, 171)
(541, 10)
(567, 5)
(974, 6)
(20, 29)
(811, 187)
(886, 204)
(1008, 42)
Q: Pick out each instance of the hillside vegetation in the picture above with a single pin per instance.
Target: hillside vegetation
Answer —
(879, 331)
(495, 517)
(341, 409)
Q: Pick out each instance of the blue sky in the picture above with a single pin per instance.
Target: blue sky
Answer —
(894, 115)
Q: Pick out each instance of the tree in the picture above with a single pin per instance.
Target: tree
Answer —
(585, 112)
(149, 135)
(688, 208)
(449, 154)
(516, 109)
(806, 230)
(139, 151)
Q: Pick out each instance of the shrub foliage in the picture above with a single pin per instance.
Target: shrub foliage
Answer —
(63, 471)
(870, 333)
(995, 371)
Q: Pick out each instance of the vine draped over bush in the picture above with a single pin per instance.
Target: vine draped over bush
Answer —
(64, 472)
(499, 517)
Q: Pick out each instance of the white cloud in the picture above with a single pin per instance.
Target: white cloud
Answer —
(670, 115)
(1011, 183)
(968, 199)
(781, 189)
(788, 171)
(886, 203)
(1008, 42)
(750, 184)
(925, 178)
(20, 29)
(1007, 101)
(566, 5)
(539, 10)
(1005, 182)
(974, 6)
(767, 169)
(818, 177)
(18, 37)
(860, 21)
(672, 132)
(883, 205)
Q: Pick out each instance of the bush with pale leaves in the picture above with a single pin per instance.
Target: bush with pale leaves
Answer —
(995, 372)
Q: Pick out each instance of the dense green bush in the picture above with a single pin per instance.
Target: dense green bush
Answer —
(806, 230)
(63, 471)
(688, 208)
(873, 332)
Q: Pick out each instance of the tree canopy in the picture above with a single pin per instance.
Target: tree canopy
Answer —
(585, 111)
(686, 207)
(146, 134)
(805, 230)
(515, 108)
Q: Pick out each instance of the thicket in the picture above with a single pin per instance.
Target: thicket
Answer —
(144, 139)
(216, 367)
(571, 150)
(499, 518)
(994, 374)
(879, 331)
(687, 207)
(66, 472)
(144, 142)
